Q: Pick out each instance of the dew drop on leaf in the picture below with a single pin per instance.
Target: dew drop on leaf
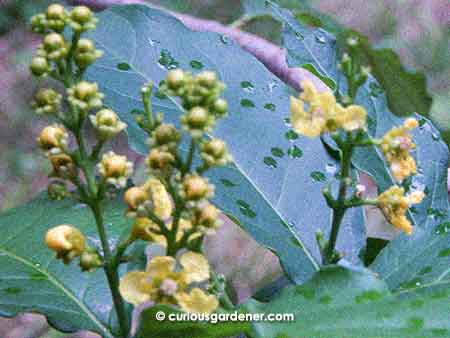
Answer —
(270, 161)
(331, 168)
(287, 121)
(318, 176)
(247, 86)
(247, 103)
(167, 61)
(415, 282)
(277, 152)
(123, 66)
(225, 39)
(196, 64)
(443, 228)
(269, 106)
(295, 152)
(291, 135)
(444, 253)
(13, 290)
(321, 39)
(425, 270)
(227, 183)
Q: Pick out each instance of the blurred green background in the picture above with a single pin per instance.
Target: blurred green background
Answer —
(418, 30)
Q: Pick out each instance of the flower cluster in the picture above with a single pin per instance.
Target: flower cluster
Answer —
(314, 113)
(172, 207)
(54, 50)
(164, 282)
(396, 145)
(394, 205)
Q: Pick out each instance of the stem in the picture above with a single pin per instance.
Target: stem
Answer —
(111, 271)
(340, 205)
(190, 158)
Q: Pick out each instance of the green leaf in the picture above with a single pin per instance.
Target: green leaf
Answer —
(150, 327)
(268, 195)
(338, 302)
(33, 280)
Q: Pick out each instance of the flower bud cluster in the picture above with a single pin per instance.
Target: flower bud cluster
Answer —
(52, 56)
(115, 169)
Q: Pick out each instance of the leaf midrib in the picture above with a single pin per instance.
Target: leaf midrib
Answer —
(52, 279)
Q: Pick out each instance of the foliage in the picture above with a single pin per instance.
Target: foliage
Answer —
(287, 171)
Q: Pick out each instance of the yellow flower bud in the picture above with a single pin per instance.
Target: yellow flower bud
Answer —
(85, 53)
(85, 96)
(82, 19)
(160, 161)
(39, 66)
(197, 121)
(56, 17)
(46, 101)
(54, 46)
(196, 188)
(53, 138)
(115, 169)
(107, 124)
(411, 123)
(67, 241)
(207, 78)
(215, 153)
(63, 165)
(220, 107)
(175, 78)
(208, 216)
(142, 229)
(135, 196)
(166, 135)
(90, 260)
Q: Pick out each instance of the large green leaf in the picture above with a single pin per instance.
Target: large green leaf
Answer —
(150, 327)
(338, 302)
(33, 280)
(273, 190)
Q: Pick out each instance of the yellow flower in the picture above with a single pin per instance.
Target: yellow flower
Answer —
(394, 205)
(197, 301)
(323, 113)
(161, 283)
(115, 169)
(396, 145)
(162, 203)
(67, 241)
(196, 267)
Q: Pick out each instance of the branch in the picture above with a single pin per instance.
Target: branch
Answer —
(271, 55)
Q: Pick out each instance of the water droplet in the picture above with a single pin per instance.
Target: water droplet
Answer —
(368, 296)
(225, 39)
(270, 161)
(436, 213)
(287, 121)
(38, 265)
(417, 303)
(415, 282)
(443, 228)
(37, 276)
(123, 66)
(444, 253)
(270, 106)
(272, 85)
(295, 152)
(247, 103)
(152, 42)
(308, 293)
(321, 39)
(245, 209)
(425, 270)
(227, 183)
(325, 299)
(13, 290)
(435, 136)
(299, 36)
(415, 323)
(167, 61)
(277, 152)
(318, 176)
(196, 64)
(291, 135)
(247, 86)
(331, 168)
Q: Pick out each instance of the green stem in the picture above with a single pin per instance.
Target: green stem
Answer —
(340, 207)
(190, 158)
(111, 271)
